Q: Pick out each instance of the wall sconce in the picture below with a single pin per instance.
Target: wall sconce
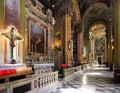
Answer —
(56, 45)
(112, 47)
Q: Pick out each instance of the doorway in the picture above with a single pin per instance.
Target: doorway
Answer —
(100, 59)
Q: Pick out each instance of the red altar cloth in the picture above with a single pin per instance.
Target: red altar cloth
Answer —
(7, 71)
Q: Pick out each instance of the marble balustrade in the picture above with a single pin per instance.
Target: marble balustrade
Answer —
(36, 82)
(68, 72)
(46, 79)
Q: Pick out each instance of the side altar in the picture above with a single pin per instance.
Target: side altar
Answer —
(39, 38)
(12, 68)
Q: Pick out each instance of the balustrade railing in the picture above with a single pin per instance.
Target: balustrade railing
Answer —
(68, 72)
(32, 83)
(46, 79)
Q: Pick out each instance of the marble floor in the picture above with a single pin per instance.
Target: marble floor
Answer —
(98, 79)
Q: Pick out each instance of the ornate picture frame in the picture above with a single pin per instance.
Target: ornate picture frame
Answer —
(37, 38)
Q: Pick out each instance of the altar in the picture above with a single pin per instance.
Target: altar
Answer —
(43, 68)
(12, 66)
(9, 71)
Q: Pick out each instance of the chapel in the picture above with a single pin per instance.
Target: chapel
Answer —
(59, 46)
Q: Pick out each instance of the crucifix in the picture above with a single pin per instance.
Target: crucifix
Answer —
(12, 43)
(12, 34)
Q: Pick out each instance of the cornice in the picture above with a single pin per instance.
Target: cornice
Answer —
(36, 10)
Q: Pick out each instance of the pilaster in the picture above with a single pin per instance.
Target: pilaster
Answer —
(117, 41)
(22, 28)
(66, 35)
(110, 43)
(80, 46)
(117, 33)
(1, 13)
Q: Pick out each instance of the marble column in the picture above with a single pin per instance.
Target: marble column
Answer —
(50, 42)
(117, 39)
(117, 33)
(2, 40)
(66, 36)
(80, 46)
(21, 45)
(50, 26)
(92, 48)
(105, 57)
(110, 45)
(1, 13)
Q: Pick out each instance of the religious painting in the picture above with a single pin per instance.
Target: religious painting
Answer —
(37, 38)
(100, 44)
(12, 13)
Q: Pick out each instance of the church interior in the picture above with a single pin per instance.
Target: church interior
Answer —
(59, 46)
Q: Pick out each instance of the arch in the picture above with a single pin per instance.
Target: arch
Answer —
(95, 12)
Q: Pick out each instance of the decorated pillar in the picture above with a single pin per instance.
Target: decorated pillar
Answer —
(117, 33)
(117, 40)
(105, 57)
(22, 31)
(92, 47)
(110, 44)
(2, 41)
(80, 46)
(1, 13)
(50, 23)
(66, 36)
(92, 43)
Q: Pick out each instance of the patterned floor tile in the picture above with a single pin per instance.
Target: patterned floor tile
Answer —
(96, 80)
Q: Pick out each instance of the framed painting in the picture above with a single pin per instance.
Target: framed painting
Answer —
(100, 44)
(37, 38)
(12, 13)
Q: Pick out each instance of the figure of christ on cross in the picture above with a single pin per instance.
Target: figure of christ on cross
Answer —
(12, 44)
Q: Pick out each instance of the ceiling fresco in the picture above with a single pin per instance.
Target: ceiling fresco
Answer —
(90, 11)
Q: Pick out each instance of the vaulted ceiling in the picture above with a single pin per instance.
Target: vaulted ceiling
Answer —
(90, 10)
(49, 3)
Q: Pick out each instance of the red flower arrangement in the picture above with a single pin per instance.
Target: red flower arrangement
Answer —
(8, 71)
(64, 65)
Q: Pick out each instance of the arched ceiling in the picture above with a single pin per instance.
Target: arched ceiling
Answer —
(93, 11)
(97, 31)
(48, 3)
(96, 12)
(90, 10)
(85, 4)
(97, 27)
